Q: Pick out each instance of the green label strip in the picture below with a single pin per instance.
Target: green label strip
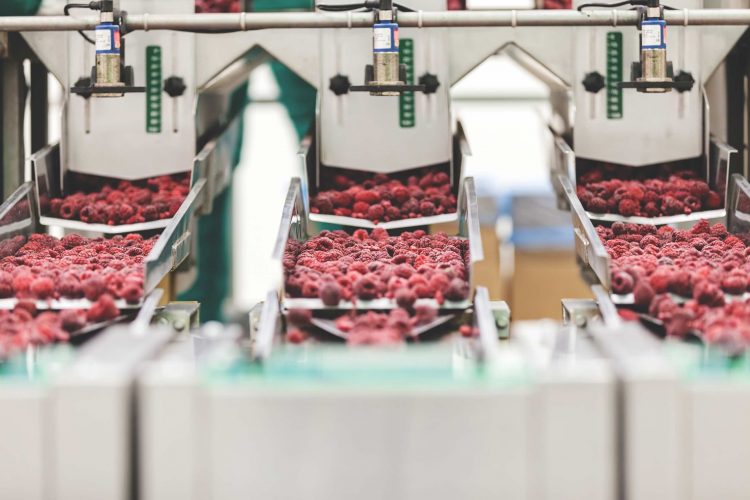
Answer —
(407, 118)
(614, 75)
(153, 89)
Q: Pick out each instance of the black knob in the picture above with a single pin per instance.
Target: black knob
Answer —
(593, 82)
(684, 81)
(430, 82)
(83, 83)
(174, 86)
(340, 84)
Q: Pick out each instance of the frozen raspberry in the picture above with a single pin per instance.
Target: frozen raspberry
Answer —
(6, 285)
(361, 207)
(94, 287)
(427, 208)
(299, 317)
(365, 288)
(708, 294)
(457, 290)
(72, 320)
(132, 293)
(295, 336)
(405, 299)
(681, 283)
(375, 213)
(679, 324)
(622, 283)
(660, 279)
(466, 331)
(643, 294)
(367, 196)
(22, 283)
(734, 284)
(330, 293)
(42, 288)
(598, 205)
(628, 207)
(713, 201)
(104, 309)
(425, 314)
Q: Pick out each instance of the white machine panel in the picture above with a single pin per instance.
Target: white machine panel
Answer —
(363, 132)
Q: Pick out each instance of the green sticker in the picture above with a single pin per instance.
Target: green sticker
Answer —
(407, 116)
(153, 89)
(614, 75)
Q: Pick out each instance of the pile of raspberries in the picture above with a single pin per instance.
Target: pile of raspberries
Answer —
(44, 267)
(112, 202)
(336, 266)
(385, 198)
(24, 326)
(370, 328)
(663, 192)
(702, 264)
(217, 6)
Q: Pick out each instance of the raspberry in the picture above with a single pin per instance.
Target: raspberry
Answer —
(42, 288)
(713, 201)
(734, 284)
(427, 208)
(622, 283)
(361, 207)
(368, 196)
(22, 283)
(93, 288)
(132, 293)
(104, 309)
(72, 320)
(425, 314)
(708, 294)
(365, 289)
(295, 336)
(375, 213)
(342, 199)
(457, 290)
(681, 283)
(598, 205)
(330, 293)
(660, 280)
(679, 324)
(643, 294)
(299, 317)
(466, 331)
(405, 299)
(628, 207)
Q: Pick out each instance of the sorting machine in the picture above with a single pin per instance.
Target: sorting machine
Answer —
(142, 411)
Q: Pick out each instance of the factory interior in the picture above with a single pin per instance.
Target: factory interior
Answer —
(375, 249)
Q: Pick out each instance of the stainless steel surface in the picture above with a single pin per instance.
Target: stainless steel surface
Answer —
(146, 313)
(254, 21)
(269, 328)
(606, 306)
(589, 247)
(485, 322)
(18, 212)
(173, 244)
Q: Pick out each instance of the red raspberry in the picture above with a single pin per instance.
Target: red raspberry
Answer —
(681, 283)
(22, 283)
(330, 293)
(375, 213)
(132, 293)
(405, 299)
(42, 288)
(365, 288)
(6, 285)
(643, 294)
(628, 207)
(94, 287)
(598, 205)
(427, 208)
(299, 317)
(466, 331)
(660, 280)
(342, 199)
(361, 207)
(457, 290)
(679, 324)
(72, 320)
(368, 196)
(708, 294)
(425, 314)
(69, 210)
(295, 336)
(622, 282)
(713, 201)
(104, 309)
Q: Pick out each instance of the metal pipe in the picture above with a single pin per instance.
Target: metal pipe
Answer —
(455, 19)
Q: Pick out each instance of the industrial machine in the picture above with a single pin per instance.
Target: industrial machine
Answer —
(473, 406)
